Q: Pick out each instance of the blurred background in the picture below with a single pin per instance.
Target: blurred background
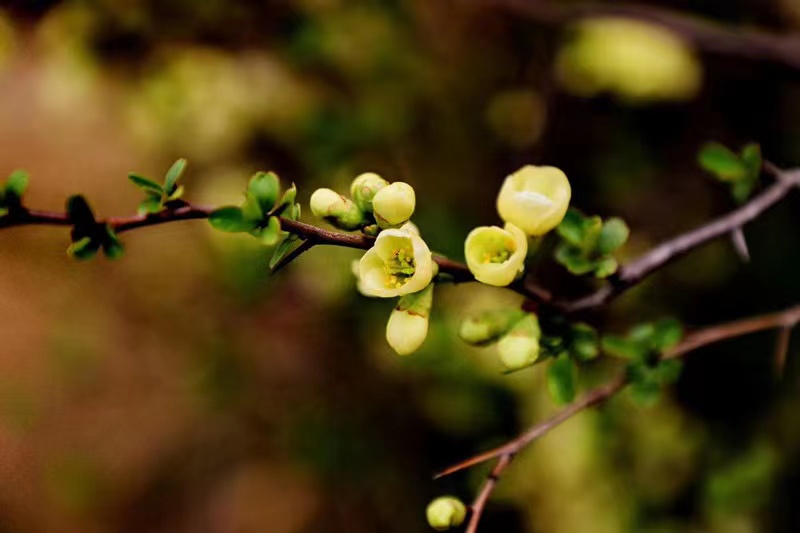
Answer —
(183, 389)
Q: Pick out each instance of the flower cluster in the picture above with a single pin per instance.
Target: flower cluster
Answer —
(531, 202)
(399, 264)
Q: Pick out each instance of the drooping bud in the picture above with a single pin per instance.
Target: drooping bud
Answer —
(520, 346)
(496, 256)
(394, 204)
(364, 188)
(446, 512)
(408, 324)
(535, 199)
(489, 326)
(336, 209)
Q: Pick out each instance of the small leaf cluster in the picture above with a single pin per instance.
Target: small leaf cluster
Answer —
(259, 214)
(570, 346)
(587, 243)
(643, 346)
(89, 236)
(11, 193)
(741, 171)
(160, 197)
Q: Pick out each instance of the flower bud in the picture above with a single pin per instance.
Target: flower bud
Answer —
(534, 199)
(520, 346)
(399, 263)
(487, 327)
(445, 513)
(496, 256)
(408, 324)
(336, 209)
(394, 204)
(364, 188)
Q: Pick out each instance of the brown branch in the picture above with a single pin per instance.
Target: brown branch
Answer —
(706, 35)
(635, 272)
(312, 235)
(505, 453)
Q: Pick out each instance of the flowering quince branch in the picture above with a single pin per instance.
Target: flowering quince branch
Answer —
(399, 264)
(635, 272)
(784, 321)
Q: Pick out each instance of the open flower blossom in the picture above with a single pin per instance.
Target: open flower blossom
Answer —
(399, 263)
(534, 199)
(496, 256)
(408, 324)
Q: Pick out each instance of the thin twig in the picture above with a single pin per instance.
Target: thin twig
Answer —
(297, 252)
(504, 454)
(635, 272)
(782, 349)
(486, 491)
(706, 35)
(312, 235)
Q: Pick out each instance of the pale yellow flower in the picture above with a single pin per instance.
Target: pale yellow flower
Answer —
(394, 204)
(446, 512)
(496, 256)
(535, 199)
(399, 263)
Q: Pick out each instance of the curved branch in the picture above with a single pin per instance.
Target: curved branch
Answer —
(505, 453)
(636, 271)
(706, 35)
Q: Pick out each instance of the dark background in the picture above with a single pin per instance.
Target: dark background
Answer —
(184, 389)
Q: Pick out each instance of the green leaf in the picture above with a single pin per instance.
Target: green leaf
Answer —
(561, 380)
(667, 333)
(112, 247)
(283, 248)
(645, 393)
(271, 234)
(751, 157)
(573, 259)
(83, 249)
(16, 185)
(177, 193)
(173, 175)
(287, 200)
(251, 209)
(3, 211)
(150, 205)
(723, 163)
(592, 226)
(621, 347)
(585, 342)
(668, 371)
(742, 190)
(643, 334)
(571, 228)
(79, 211)
(293, 213)
(146, 184)
(265, 187)
(614, 234)
(230, 219)
(605, 267)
